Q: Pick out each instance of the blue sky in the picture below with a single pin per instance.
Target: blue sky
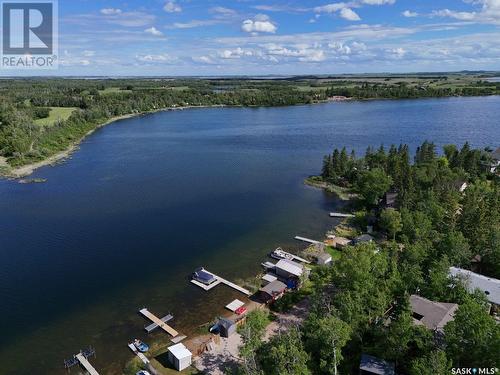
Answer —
(239, 37)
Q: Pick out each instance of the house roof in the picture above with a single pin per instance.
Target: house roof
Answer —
(226, 323)
(489, 285)
(269, 278)
(179, 351)
(200, 273)
(495, 155)
(273, 288)
(434, 315)
(375, 365)
(364, 238)
(291, 267)
(325, 257)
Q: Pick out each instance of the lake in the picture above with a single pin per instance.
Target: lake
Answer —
(146, 200)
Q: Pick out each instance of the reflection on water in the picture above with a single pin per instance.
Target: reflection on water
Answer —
(146, 200)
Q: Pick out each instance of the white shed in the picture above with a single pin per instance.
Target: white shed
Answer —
(179, 356)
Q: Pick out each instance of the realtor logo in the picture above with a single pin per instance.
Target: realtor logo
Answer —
(29, 34)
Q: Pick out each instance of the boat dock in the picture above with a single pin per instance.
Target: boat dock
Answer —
(220, 280)
(153, 326)
(159, 322)
(308, 240)
(138, 353)
(86, 364)
(339, 215)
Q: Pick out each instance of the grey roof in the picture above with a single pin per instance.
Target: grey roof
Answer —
(363, 238)
(226, 323)
(325, 257)
(273, 288)
(290, 266)
(495, 155)
(375, 365)
(472, 280)
(434, 315)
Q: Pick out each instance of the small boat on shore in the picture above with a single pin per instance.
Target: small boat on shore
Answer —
(141, 346)
(279, 253)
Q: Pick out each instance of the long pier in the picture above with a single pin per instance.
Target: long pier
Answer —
(220, 280)
(160, 323)
(308, 240)
(340, 215)
(86, 364)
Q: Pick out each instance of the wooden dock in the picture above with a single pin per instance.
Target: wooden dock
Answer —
(308, 240)
(339, 215)
(220, 280)
(86, 364)
(160, 323)
(153, 326)
(138, 353)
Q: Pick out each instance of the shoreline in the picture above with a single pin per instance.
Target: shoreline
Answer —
(15, 173)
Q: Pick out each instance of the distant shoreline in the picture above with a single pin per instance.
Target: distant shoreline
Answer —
(28, 169)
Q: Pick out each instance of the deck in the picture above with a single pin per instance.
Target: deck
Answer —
(172, 332)
(308, 240)
(86, 364)
(340, 215)
(153, 326)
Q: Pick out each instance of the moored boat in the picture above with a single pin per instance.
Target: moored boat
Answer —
(141, 346)
(280, 254)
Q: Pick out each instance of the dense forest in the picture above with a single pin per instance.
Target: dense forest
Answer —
(40, 117)
(361, 303)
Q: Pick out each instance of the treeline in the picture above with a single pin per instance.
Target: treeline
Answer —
(402, 91)
(22, 102)
(361, 303)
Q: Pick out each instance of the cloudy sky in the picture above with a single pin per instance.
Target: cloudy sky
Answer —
(248, 37)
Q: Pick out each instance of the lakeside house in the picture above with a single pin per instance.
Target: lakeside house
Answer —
(389, 200)
(430, 314)
(340, 242)
(370, 365)
(288, 269)
(364, 238)
(272, 291)
(179, 356)
(495, 160)
(488, 285)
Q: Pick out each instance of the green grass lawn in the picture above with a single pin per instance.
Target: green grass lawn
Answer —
(335, 253)
(56, 113)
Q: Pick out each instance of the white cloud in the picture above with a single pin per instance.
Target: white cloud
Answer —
(409, 13)
(172, 7)
(488, 13)
(156, 59)
(153, 31)
(349, 14)
(223, 11)
(130, 19)
(378, 2)
(463, 16)
(88, 53)
(332, 8)
(234, 54)
(192, 24)
(260, 24)
(203, 59)
(110, 11)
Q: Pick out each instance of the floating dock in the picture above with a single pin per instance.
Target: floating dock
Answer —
(339, 215)
(86, 364)
(138, 353)
(159, 322)
(308, 240)
(220, 280)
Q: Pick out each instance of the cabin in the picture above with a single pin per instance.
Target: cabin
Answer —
(341, 242)
(227, 327)
(201, 275)
(179, 356)
(488, 285)
(272, 291)
(324, 259)
(370, 365)
(430, 314)
(364, 238)
(289, 269)
(389, 200)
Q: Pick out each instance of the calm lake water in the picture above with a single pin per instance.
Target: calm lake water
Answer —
(146, 200)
